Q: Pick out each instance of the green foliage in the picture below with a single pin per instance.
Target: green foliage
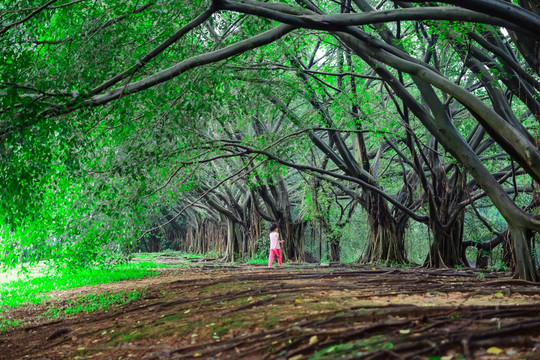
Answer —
(418, 240)
(82, 188)
(262, 249)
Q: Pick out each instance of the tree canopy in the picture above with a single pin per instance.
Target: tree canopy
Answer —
(123, 121)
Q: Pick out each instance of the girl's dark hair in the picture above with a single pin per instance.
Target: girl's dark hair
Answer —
(273, 227)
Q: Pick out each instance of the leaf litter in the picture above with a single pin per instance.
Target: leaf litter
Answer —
(292, 312)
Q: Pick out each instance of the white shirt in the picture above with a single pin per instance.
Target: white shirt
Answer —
(274, 243)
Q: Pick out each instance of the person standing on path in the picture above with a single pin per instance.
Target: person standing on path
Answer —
(275, 249)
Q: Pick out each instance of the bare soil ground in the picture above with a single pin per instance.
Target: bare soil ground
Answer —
(212, 311)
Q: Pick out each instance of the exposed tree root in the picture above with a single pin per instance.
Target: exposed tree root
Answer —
(347, 313)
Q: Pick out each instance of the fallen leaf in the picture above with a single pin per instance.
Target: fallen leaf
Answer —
(313, 340)
(494, 350)
(187, 311)
(197, 354)
(404, 331)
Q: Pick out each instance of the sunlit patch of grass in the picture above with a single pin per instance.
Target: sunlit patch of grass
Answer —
(258, 261)
(33, 291)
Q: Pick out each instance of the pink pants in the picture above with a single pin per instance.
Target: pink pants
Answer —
(276, 252)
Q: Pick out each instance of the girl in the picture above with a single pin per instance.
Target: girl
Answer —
(274, 245)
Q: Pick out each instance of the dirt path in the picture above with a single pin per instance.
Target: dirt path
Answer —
(251, 312)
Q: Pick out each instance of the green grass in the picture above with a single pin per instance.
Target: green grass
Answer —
(5, 324)
(172, 253)
(357, 348)
(258, 261)
(21, 292)
(92, 302)
(32, 285)
(33, 291)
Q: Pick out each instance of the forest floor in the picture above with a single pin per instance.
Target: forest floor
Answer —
(208, 310)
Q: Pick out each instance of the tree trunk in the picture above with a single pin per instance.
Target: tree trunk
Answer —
(154, 244)
(335, 248)
(521, 240)
(385, 241)
(229, 254)
(446, 251)
(529, 48)
(293, 234)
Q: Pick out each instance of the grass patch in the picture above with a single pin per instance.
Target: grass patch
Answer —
(271, 321)
(20, 292)
(6, 324)
(169, 318)
(223, 328)
(358, 348)
(224, 287)
(258, 261)
(129, 337)
(92, 302)
(171, 253)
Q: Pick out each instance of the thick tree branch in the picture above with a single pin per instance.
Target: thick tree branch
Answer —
(178, 69)
(355, 180)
